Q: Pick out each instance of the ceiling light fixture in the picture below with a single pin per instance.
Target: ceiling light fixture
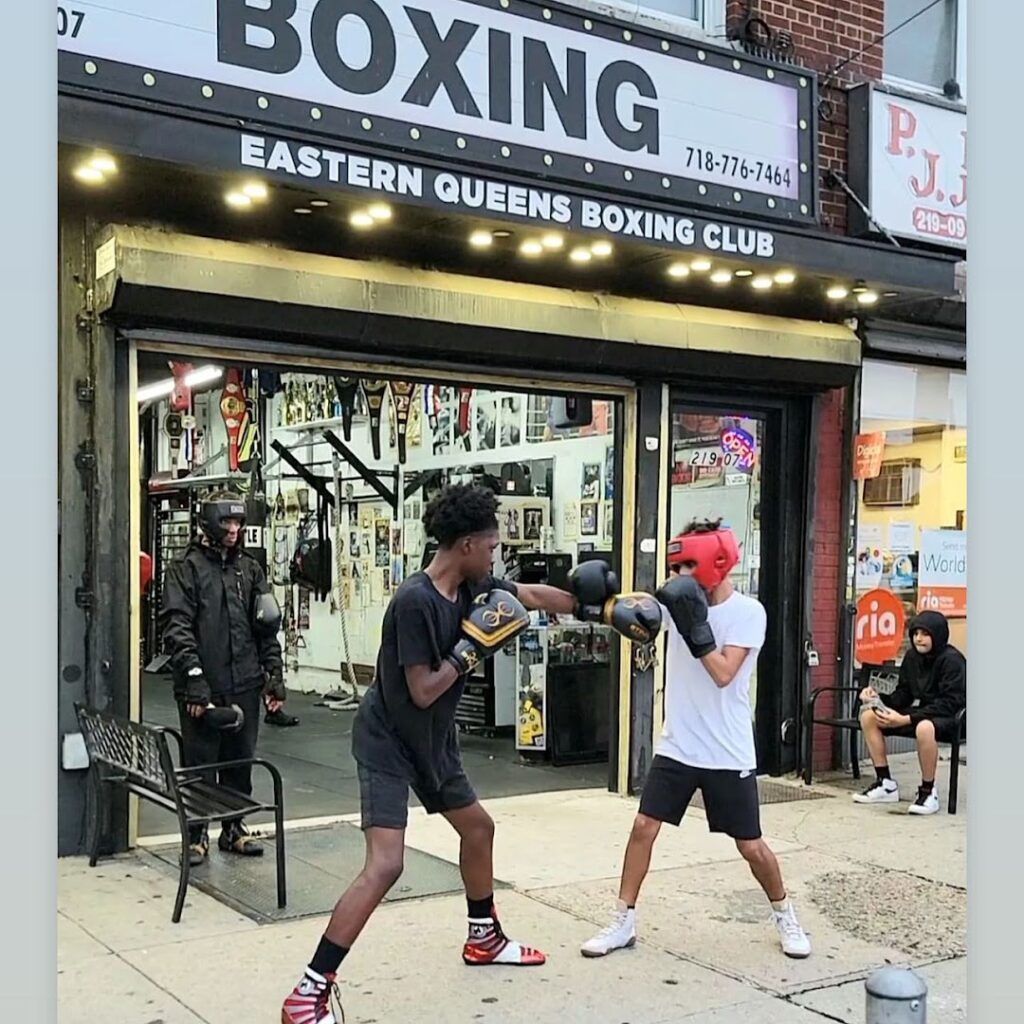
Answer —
(89, 175)
(319, 202)
(481, 239)
(302, 210)
(255, 190)
(836, 292)
(721, 277)
(202, 375)
(679, 270)
(744, 273)
(361, 220)
(601, 249)
(700, 265)
(785, 277)
(379, 211)
(239, 200)
(103, 163)
(580, 255)
(502, 233)
(867, 297)
(531, 247)
(762, 282)
(552, 240)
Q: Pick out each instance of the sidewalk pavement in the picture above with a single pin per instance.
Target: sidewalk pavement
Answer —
(872, 885)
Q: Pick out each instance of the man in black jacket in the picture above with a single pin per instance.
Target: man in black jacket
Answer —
(932, 688)
(220, 623)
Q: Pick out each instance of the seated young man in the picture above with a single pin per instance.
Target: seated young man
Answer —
(932, 688)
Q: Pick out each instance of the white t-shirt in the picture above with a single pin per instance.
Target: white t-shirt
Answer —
(706, 725)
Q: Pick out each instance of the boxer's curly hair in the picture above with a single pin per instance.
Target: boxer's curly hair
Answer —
(460, 510)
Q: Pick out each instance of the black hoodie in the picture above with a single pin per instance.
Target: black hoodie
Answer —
(937, 680)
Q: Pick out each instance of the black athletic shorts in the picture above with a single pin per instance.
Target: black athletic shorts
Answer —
(384, 798)
(945, 730)
(730, 797)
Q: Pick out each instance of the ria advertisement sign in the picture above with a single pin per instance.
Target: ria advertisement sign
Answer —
(500, 83)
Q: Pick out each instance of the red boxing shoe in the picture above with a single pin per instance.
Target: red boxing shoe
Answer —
(311, 1001)
(487, 944)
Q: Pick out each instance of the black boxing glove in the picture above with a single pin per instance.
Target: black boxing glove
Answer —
(592, 584)
(688, 605)
(274, 688)
(495, 619)
(637, 617)
(230, 719)
(197, 689)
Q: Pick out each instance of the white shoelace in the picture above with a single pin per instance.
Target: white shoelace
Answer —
(789, 924)
(618, 923)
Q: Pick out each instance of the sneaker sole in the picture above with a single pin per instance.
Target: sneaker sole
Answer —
(797, 956)
(895, 799)
(920, 811)
(592, 955)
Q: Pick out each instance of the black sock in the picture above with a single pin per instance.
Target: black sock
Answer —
(926, 786)
(327, 958)
(882, 773)
(479, 909)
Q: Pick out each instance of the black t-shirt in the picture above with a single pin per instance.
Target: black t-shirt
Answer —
(390, 734)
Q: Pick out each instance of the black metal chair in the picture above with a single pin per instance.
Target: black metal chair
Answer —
(137, 758)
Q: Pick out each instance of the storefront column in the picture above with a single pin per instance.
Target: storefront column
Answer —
(94, 564)
(651, 467)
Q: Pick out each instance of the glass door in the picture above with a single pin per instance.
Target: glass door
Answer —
(715, 474)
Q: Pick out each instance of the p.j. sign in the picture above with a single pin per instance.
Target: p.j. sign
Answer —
(915, 178)
(546, 91)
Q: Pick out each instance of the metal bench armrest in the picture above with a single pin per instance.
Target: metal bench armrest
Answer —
(819, 690)
(183, 774)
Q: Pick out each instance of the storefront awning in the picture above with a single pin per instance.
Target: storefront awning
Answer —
(133, 260)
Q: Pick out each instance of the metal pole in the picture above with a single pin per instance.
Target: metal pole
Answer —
(896, 996)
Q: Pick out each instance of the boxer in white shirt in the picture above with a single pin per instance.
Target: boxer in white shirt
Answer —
(714, 636)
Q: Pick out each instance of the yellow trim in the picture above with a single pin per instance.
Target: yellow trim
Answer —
(665, 445)
(496, 637)
(627, 539)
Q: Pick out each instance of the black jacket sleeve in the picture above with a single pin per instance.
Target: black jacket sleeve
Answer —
(177, 620)
(948, 693)
(902, 696)
(268, 647)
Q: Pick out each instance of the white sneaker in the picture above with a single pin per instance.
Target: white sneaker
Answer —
(620, 934)
(925, 803)
(879, 792)
(794, 940)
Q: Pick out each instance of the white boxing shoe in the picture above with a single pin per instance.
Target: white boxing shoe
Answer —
(619, 934)
(794, 940)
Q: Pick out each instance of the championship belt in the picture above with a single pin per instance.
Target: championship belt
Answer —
(232, 411)
(402, 393)
(374, 391)
(248, 444)
(347, 388)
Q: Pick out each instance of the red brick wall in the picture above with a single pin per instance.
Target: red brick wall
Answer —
(825, 33)
(829, 560)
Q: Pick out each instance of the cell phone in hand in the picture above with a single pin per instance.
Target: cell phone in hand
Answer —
(876, 704)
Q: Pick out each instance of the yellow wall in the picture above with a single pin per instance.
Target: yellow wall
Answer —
(943, 492)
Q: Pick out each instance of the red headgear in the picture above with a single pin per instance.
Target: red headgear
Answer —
(714, 553)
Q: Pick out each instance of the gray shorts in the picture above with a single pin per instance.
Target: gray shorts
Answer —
(384, 798)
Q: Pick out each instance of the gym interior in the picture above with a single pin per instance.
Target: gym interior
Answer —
(336, 467)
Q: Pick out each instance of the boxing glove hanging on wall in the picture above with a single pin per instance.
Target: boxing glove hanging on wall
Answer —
(374, 391)
(570, 411)
(402, 392)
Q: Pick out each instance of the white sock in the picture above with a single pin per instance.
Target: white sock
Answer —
(780, 906)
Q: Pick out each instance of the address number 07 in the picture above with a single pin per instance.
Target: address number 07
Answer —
(69, 23)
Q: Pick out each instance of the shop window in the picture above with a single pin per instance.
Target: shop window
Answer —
(707, 16)
(929, 50)
(910, 471)
(898, 483)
